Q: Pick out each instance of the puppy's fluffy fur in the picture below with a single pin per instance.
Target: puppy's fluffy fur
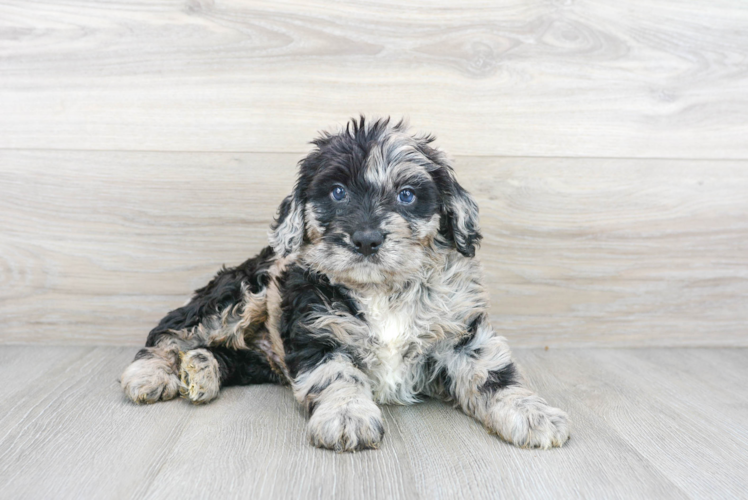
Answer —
(368, 293)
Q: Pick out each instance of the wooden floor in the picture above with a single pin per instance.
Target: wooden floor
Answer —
(143, 144)
(648, 423)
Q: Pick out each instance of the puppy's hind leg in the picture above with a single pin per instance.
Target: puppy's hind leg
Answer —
(245, 366)
(152, 376)
(204, 371)
(221, 313)
(154, 373)
(199, 374)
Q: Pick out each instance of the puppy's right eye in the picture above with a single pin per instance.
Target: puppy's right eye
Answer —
(338, 193)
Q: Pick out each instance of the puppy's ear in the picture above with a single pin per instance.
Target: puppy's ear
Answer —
(459, 212)
(459, 220)
(287, 232)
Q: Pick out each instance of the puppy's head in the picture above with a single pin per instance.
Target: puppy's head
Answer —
(371, 202)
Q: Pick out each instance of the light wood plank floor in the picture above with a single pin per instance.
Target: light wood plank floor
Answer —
(664, 423)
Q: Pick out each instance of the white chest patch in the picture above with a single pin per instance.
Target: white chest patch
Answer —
(393, 372)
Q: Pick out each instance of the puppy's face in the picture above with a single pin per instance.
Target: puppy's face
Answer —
(371, 203)
(373, 215)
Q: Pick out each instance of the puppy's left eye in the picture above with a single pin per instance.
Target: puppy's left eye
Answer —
(338, 193)
(406, 196)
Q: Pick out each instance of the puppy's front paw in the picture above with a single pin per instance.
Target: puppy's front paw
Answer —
(150, 378)
(199, 375)
(350, 426)
(526, 420)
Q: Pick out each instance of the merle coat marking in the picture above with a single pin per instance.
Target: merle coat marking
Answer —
(368, 293)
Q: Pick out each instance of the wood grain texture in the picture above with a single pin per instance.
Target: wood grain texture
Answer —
(96, 246)
(668, 414)
(516, 77)
(641, 430)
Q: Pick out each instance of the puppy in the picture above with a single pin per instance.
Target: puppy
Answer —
(368, 294)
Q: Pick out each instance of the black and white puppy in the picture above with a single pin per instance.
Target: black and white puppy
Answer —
(368, 294)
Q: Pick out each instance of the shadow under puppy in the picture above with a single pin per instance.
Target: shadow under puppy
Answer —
(368, 293)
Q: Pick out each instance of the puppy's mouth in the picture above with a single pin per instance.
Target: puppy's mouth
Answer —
(360, 258)
(346, 263)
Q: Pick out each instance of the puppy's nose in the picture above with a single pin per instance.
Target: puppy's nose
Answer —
(367, 242)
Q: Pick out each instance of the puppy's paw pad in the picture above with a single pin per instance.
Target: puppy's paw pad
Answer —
(529, 422)
(355, 425)
(150, 378)
(200, 378)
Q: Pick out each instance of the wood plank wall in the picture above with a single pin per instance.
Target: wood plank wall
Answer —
(145, 143)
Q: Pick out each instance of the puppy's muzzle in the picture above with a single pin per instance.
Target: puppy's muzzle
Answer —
(367, 242)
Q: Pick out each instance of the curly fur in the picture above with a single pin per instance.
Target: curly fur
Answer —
(349, 328)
